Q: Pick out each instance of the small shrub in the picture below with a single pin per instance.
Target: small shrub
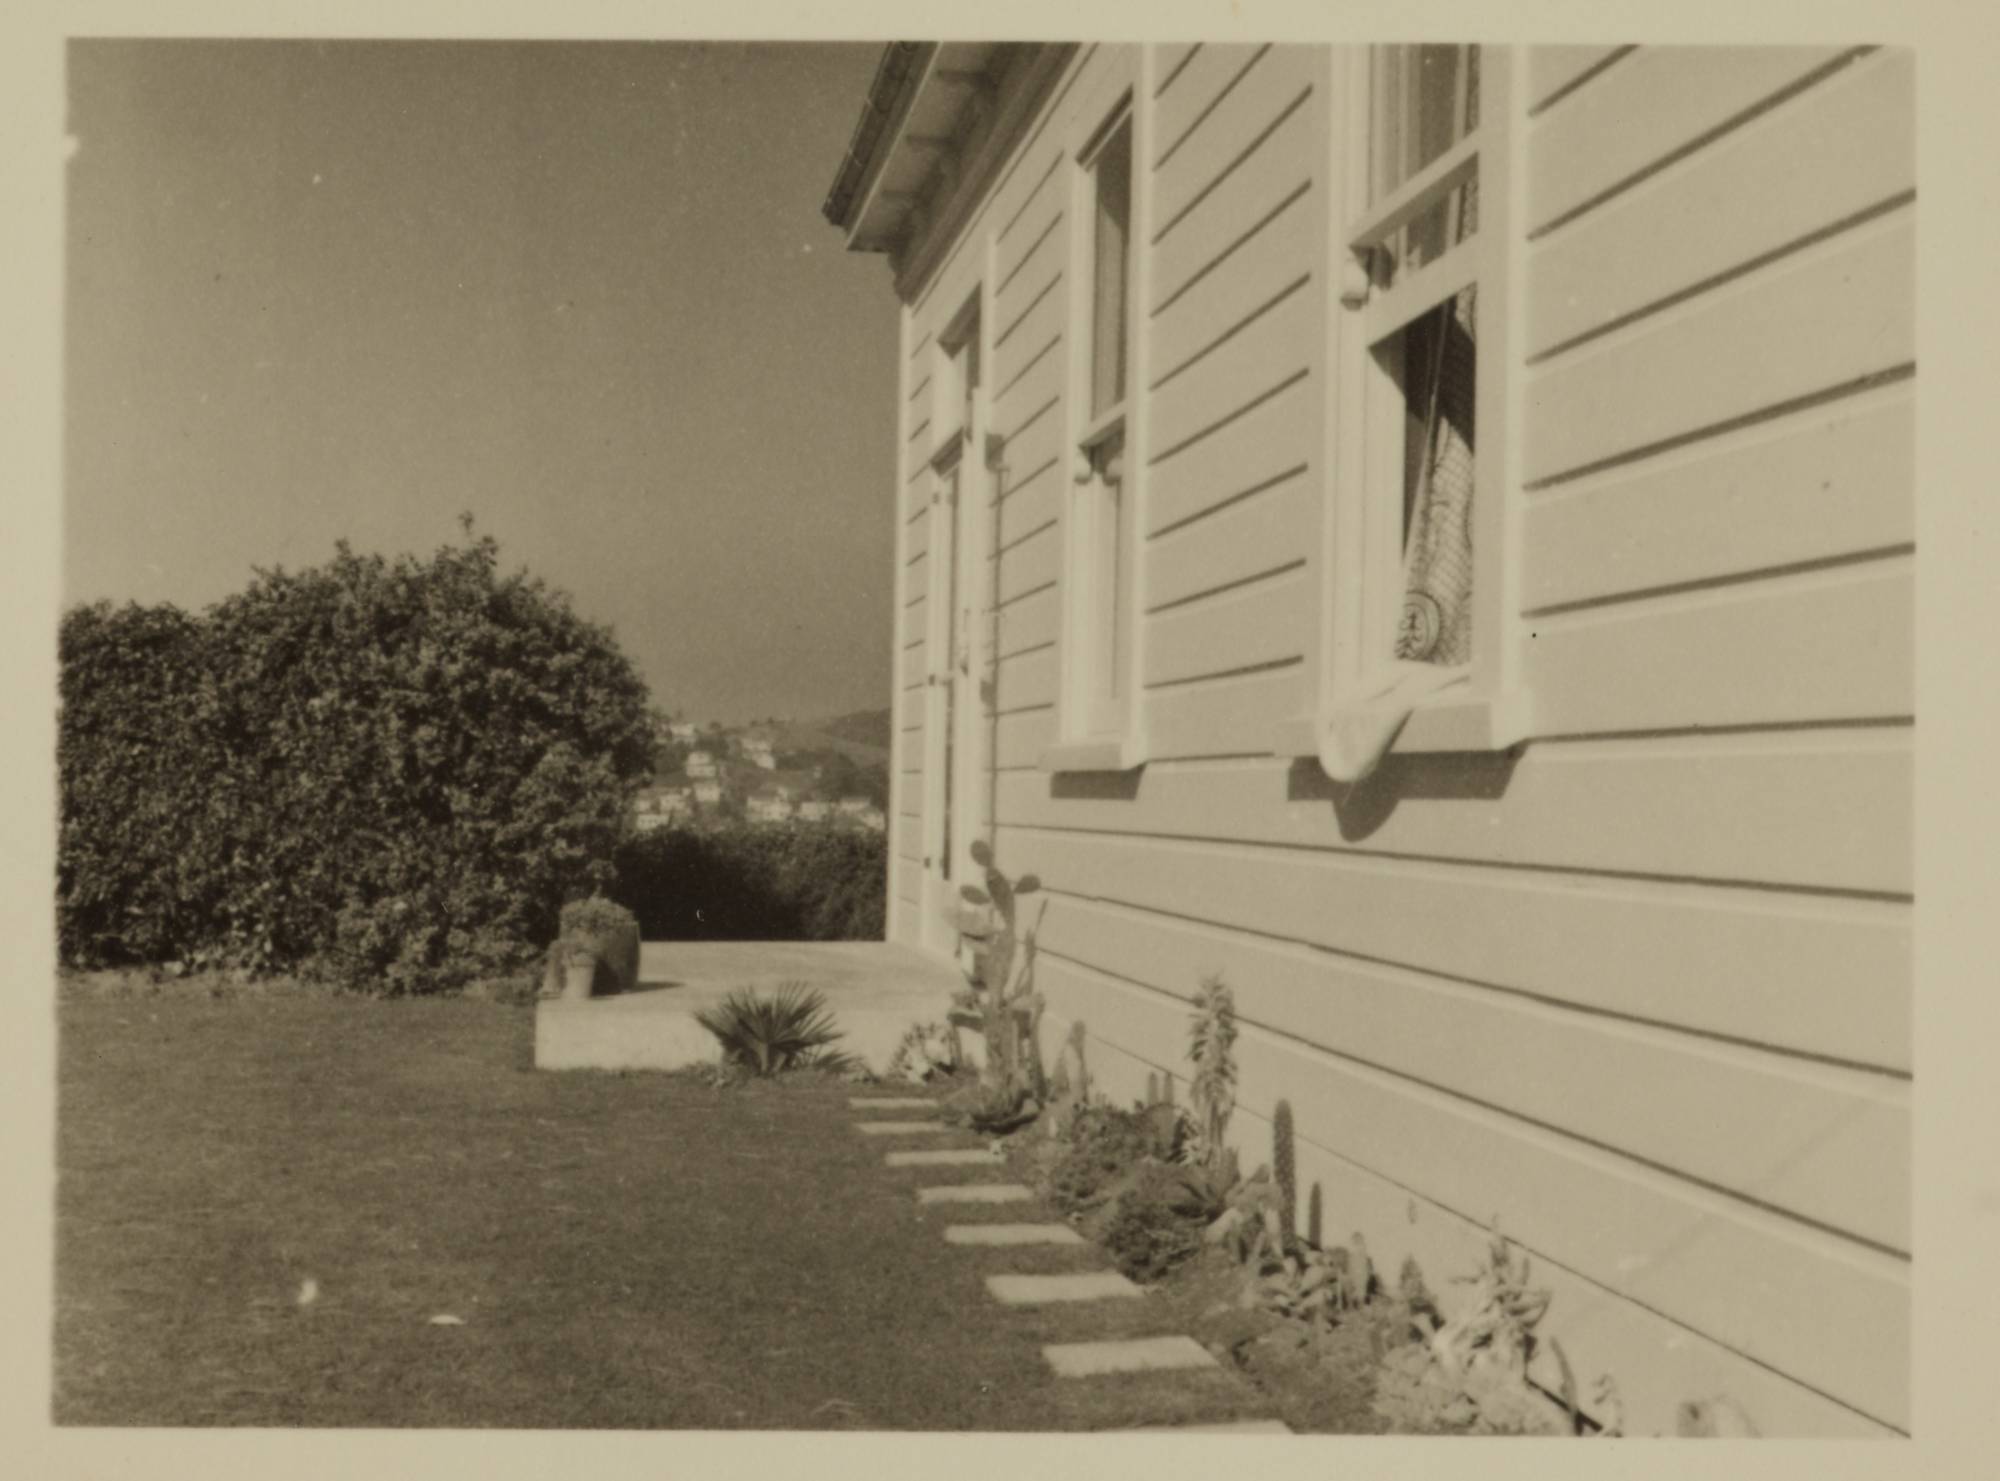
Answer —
(595, 916)
(767, 1036)
(1105, 1143)
(1205, 1186)
(724, 880)
(1146, 1235)
(993, 1110)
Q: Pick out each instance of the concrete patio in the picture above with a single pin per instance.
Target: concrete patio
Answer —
(875, 990)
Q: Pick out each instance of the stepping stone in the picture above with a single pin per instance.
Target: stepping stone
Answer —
(1039, 1290)
(966, 1157)
(891, 1102)
(900, 1128)
(1136, 1355)
(1234, 1427)
(976, 1193)
(994, 1234)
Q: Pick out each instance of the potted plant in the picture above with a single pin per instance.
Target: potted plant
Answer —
(607, 932)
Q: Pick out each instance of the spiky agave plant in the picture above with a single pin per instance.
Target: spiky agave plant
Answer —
(768, 1035)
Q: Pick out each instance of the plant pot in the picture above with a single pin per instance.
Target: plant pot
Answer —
(578, 979)
(618, 950)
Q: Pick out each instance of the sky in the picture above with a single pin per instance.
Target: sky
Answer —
(582, 291)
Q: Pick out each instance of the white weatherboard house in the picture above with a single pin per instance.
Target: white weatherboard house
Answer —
(1426, 534)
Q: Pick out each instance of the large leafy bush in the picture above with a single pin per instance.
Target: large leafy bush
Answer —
(735, 881)
(389, 773)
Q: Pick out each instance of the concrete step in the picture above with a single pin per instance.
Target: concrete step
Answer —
(901, 1128)
(1041, 1290)
(956, 1157)
(976, 1193)
(1132, 1355)
(1011, 1234)
(1234, 1427)
(891, 1103)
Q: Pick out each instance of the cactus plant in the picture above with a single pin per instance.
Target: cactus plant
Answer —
(1285, 1166)
(1416, 1294)
(1001, 979)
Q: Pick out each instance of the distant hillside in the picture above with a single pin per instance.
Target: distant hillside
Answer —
(868, 727)
(862, 737)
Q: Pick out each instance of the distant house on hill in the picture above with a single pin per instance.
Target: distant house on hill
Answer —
(1425, 534)
(702, 765)
(773, 797)
(707, 791)
(757, 750)
(814, 810)
(861, 811)
(661, 804)
(770, 805)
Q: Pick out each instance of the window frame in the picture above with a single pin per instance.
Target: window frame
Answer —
(954, 598)
(1485, 705)
(1100, 721)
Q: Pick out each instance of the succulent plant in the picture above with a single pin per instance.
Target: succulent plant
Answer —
(1001, 976)
(1285, 1165)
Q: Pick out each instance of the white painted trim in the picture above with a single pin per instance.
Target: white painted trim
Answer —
(1091, 724)
(959, 500)
(1116, 753)
(893, 924)
(1454, 721)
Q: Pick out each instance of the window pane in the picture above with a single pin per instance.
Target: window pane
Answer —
(1427, 99)
(1111, 177)
(969, 379)
(1439, 373)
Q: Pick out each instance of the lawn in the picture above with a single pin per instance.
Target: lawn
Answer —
(629, 1251)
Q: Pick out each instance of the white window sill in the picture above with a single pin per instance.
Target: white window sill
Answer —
(1449, 722)
(1108, 753)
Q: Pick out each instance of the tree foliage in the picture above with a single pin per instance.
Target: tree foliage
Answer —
(388, 773)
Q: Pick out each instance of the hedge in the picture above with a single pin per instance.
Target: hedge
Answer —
(390, 774)
(732, 881)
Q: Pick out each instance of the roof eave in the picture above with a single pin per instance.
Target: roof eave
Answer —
(897, 76)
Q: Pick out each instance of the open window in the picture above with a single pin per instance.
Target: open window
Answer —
(1099, 706)
(1418, 245)
(1421, 653)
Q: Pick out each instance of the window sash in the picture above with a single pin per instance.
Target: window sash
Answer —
(1110, 174)
(1392, 308)
(1108, 566)
(1457, 166)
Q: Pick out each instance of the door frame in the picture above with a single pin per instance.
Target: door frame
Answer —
(957, 718)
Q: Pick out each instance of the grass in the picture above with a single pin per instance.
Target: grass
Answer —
(632, 1251)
